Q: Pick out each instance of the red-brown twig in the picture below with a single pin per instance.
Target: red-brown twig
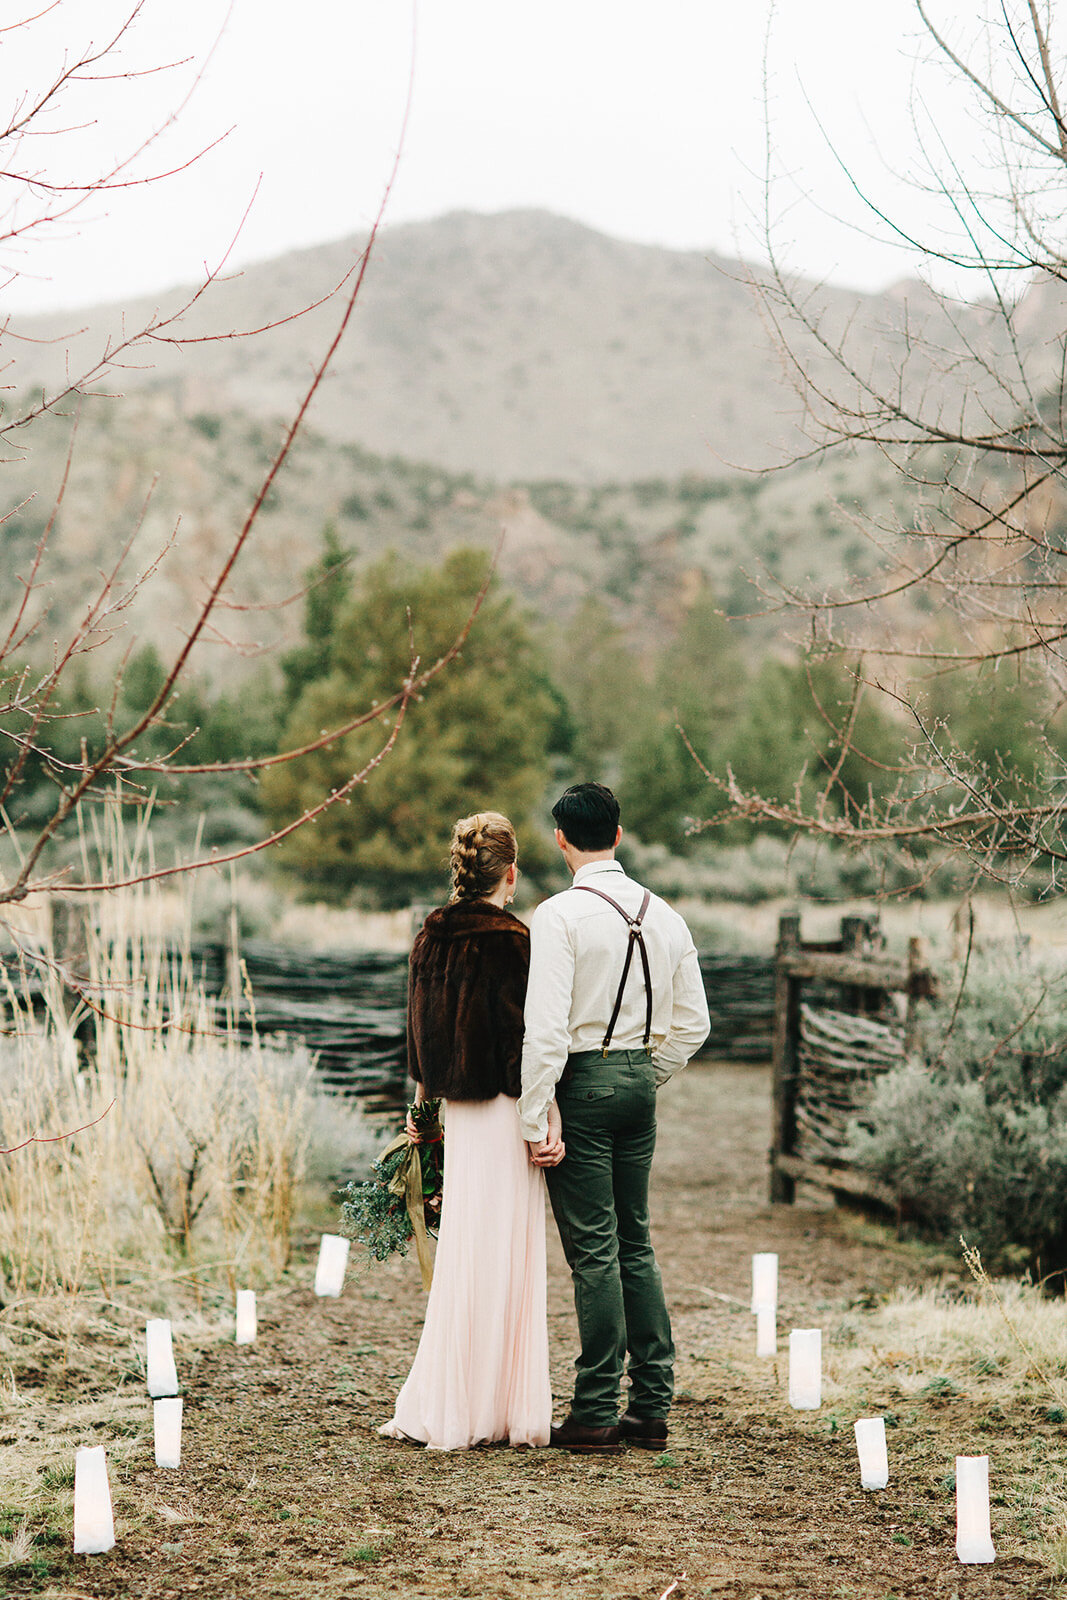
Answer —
(56, 1138)
(114, 755)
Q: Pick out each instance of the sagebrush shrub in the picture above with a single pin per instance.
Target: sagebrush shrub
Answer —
(971, 1133)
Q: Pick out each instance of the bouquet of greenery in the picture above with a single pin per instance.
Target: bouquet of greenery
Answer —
(401, 1200)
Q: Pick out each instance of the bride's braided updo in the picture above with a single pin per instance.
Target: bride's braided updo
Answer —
(483, 848)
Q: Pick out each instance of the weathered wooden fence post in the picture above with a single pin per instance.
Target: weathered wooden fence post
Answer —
(784, 1061)
(826, 1057)
(854, 940)
(862, 937)
(69, 916)
(922, 985)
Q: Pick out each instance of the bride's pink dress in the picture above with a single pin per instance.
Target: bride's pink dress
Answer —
(481, 1370)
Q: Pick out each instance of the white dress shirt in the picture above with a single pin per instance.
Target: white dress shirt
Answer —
(577, 951)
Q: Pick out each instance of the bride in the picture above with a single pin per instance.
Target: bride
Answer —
(480, 1374)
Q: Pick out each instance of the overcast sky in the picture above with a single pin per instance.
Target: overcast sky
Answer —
(645, 121)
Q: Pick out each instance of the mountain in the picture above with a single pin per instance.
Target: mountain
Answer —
(517, 346)
(590, 400)
(177, 487)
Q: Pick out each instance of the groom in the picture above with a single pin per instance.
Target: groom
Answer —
(615, 1005)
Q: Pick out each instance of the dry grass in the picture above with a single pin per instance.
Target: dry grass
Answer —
(1003, 1345)
(313, 925)
(187, 1184)
(193, 1145)
(91, 1356)
(954, 1373)
(996, 921)
(320, 927)
(190, 1172)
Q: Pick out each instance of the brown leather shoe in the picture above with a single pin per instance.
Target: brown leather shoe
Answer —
(647, 1433)
(583, 1441)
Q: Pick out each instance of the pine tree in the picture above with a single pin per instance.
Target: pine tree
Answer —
(477, 740)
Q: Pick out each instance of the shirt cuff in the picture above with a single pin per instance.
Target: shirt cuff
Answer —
(534, 1131)
(666, 1063)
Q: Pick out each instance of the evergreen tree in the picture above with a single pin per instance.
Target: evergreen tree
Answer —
(142, 678)
(329, 581)
(604, 686)
(478, 739)
(992, 729)
(796, 714)
(699, 686)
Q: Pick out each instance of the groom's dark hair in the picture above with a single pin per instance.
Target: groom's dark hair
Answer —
(588, 816)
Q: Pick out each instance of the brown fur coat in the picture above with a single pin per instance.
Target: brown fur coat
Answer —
(466, 988)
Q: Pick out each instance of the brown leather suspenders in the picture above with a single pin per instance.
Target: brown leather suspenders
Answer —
(636, 937)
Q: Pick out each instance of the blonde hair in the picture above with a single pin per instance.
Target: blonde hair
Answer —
(483, 848)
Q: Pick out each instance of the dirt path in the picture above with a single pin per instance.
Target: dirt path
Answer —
(286, 1491)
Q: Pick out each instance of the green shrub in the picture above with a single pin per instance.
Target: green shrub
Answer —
(354, 506)
(972, 1132)
(766, 868)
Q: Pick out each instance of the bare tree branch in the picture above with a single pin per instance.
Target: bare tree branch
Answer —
(968, 405)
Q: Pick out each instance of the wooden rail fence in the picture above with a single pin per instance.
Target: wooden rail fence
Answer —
(740, 991)
(348, 1009)
(823, 1013)
(827, 1057)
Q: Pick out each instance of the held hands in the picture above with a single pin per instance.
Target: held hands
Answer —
(550, 1150)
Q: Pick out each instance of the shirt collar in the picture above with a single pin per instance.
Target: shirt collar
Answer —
(591, 867)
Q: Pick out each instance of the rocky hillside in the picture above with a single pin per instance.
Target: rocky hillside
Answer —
(141, 469)
(515, 375)
(517, 346)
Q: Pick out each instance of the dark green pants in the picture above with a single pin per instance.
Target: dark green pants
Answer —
(599, 1195)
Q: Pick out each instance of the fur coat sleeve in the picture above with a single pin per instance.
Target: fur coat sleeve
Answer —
(466, 988)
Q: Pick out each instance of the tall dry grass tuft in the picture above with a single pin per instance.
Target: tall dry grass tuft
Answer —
(981, 1373)
(1006, 1348)
(198, 1142)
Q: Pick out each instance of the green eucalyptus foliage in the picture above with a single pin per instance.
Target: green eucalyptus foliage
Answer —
(375, 1214)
